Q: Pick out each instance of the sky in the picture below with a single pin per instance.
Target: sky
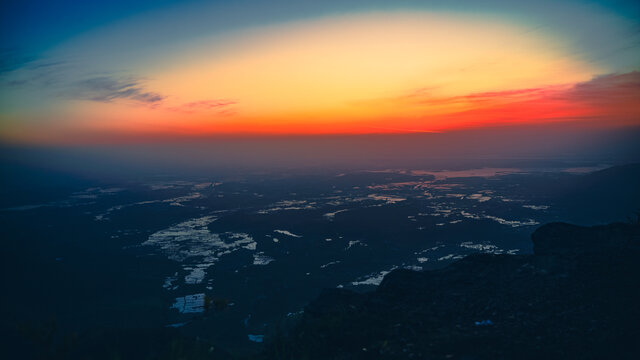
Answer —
(109, 72)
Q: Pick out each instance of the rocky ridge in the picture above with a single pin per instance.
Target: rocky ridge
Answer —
(576, 297)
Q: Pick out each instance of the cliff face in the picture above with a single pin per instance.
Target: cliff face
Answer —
(576, 297)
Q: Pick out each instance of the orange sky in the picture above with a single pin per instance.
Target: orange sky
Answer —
(378, 72)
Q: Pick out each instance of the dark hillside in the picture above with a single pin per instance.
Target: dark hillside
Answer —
(576, 298)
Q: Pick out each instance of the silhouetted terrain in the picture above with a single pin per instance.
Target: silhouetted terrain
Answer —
(576, 297)
(201, 267)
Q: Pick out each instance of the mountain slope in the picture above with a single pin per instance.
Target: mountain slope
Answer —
(575, 298)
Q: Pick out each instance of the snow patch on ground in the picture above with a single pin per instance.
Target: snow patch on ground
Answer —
(479, 197)
(175, 201)
(388, 199)
(479, 247)
(331, 216)
(191, 243)
(288, 205)
(373, 279)
(329, 264)
(261, 259)
(536, 207)
(501, 221)
(450, 257)
(189, 303)
(352, 243)
(288, 233)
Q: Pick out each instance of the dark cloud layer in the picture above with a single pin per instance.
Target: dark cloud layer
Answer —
(608, 88)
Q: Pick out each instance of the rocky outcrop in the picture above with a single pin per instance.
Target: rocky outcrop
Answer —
(576, 297)
(567, 239)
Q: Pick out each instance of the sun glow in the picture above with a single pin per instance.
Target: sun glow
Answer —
(342, 73)
(376, 72)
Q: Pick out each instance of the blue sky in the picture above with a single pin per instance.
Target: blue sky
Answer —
(35, 25)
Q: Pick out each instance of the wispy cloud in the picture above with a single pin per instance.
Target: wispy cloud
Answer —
(32, 72)
(478, 99)
(108, 89)
(601, 90)
(219, 106)
(605, 99)
(503, 94)
(12, 59)
(204, 105)
(60, 80)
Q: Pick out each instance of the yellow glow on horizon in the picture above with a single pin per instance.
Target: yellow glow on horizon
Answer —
(356, 67)
(367, 73)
